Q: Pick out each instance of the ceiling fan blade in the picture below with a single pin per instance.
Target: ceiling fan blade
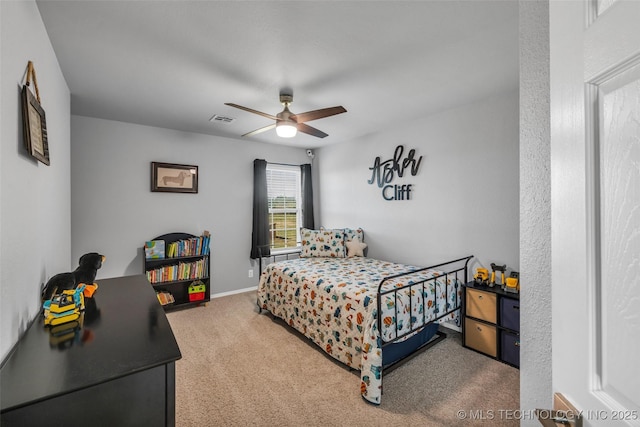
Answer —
(319, 114)
(268, 116)
(266, 128)
(311, 131)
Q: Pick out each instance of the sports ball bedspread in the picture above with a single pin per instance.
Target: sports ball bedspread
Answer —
(332, 301)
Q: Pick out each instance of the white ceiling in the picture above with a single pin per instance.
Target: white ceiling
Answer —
(174, 64)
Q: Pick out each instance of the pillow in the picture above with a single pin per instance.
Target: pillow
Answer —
(351, 234)
(322, 243)
(355, 248)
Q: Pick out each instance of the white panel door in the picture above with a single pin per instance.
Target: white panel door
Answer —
(595, 148)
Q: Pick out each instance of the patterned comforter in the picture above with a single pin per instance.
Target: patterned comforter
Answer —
(333, 302)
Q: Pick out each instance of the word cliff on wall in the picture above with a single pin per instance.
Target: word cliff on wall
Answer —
(384, 172)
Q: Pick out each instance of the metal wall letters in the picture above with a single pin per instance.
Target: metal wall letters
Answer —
(383, 173)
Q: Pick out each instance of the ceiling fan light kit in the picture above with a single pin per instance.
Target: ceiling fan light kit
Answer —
(288, 124)
(286, 128)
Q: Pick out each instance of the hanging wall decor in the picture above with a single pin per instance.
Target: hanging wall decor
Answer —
(174, 178)
(34, 124)
(384, 172)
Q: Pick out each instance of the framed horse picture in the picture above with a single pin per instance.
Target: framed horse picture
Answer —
(174, 178)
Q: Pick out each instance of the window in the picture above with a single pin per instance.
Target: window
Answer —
(284, 195)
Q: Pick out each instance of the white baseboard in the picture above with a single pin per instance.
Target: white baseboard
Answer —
(239, 291)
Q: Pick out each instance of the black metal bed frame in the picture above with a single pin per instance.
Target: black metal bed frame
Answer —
(285, 253)
(459, 267)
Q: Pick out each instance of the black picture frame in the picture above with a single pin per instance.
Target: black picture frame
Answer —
(34, 126)
(174, 178)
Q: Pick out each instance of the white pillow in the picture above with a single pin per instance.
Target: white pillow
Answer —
(355, 248)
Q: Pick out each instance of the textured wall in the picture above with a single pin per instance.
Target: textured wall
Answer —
(535, 208)
(35, 198)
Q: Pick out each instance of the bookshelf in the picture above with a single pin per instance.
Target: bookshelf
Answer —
(177, 265)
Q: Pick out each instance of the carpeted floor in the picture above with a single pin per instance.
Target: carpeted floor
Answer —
(241, 368)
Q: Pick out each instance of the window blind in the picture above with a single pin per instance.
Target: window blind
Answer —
(284, 195)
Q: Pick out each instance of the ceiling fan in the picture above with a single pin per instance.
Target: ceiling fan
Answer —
(288, 123)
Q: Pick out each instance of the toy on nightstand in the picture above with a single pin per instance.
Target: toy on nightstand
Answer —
(513, 283)
(64, 307)
(482, 276)
(501, 269)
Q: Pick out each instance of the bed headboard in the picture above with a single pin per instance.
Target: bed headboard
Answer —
(277, 256)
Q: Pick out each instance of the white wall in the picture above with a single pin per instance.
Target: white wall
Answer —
(464, 198)
(35, 199)
(535, 206)
(114, 212)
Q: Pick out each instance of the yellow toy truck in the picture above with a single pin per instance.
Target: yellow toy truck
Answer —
(64, 307)
(482, 276)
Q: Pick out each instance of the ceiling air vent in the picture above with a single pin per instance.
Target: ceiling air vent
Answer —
(217, 118)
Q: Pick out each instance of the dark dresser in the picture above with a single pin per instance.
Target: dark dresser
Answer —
(116, 367)
(492, 322)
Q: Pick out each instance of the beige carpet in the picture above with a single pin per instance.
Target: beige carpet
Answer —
(241, 368)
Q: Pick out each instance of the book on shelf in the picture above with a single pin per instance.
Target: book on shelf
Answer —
(182, 271)
(154, 249)
(165, 297)
(194, 246)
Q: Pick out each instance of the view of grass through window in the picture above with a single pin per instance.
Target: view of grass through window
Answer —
(283, 222)
(284, 198)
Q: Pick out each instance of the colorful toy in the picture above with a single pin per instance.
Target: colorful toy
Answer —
(90, 289)
(513, 282)
(482, 276)
(501, 269)
(85, 273)
(64, 307)
(196, 291)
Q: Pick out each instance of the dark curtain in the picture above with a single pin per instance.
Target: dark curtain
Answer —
(307, 197)
(260, 244)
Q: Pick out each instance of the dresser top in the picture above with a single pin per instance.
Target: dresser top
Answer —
(496, 290)
(124, 330)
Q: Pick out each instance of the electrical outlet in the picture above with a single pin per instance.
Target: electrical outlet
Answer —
(250, 273)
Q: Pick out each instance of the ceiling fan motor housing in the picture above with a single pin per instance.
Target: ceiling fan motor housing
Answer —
(286, 115)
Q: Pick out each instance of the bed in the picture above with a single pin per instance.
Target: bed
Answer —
(334, 300)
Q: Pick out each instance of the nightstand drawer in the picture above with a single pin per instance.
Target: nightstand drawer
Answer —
(510, 313)
(480, 336)
(510, 351)
(481, 305)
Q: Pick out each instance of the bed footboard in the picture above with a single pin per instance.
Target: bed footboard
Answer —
(455, 272)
